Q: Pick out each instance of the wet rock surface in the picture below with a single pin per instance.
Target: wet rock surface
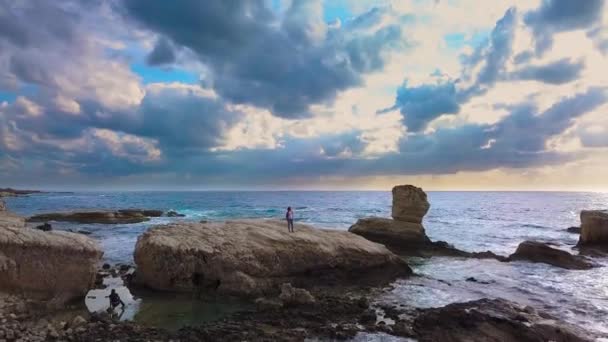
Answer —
(492, 320)
(123, 216)
(541, 252)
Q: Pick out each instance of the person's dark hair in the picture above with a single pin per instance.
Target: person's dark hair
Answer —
(288, 208)
(112, 291)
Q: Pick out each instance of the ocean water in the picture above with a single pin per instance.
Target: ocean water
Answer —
(472, 221)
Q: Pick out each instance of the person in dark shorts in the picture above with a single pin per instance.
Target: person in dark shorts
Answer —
(115, 300)
(289, 218)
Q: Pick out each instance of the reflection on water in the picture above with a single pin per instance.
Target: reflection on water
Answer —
(163, 310)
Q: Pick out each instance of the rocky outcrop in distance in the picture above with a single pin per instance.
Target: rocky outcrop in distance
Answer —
(254, 257)
(403, 232)
(58, 265)
(594, 228)
(123, 216)
(9, 192)
(541, 252)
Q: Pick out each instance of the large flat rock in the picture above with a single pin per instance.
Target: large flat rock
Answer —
(50, 264)
(252, 257)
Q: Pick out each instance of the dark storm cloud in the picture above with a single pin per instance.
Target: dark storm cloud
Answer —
(255, 58)
(558, 72)
(162, 53)
(555, 16)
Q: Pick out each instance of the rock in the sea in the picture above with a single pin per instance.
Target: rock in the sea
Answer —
(52, 264)
(173, 213)
(391, 232)
(594, 227)
(492, 320)
(574, 230)
(294, 296)
(124, 216)
(253, 257)
(405, 230)
(409, 203)
(541, 252)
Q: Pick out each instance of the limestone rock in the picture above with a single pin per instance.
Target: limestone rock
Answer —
(409, 203)
(541, 252)
(492, 320)
(51, 264)
(124, 216)
(594, 227)
(390, 232)
(253, 257)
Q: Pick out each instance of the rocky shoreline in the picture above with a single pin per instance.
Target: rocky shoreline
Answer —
(312, 284)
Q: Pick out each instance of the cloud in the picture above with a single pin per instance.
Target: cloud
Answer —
(481, 70)
(558, 72)
(422, 104)
(555, 16)
(162, 53)
(282, 64)
(57, 54)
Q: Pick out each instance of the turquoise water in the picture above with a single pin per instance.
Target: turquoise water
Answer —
(473, 221)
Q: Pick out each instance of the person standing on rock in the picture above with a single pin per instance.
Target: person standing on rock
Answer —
(289, 217)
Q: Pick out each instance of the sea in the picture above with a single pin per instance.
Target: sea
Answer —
(472, 221)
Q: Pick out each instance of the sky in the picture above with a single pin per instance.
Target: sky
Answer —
(304, 94)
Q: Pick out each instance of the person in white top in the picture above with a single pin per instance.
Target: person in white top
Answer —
(289, 217)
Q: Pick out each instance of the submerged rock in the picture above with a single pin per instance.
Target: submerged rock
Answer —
(594, 228)
(54, 264)
(294, 296)
(253, 257)
(124, 216)
(173, 213)
(574, 230)
(540, 252)
(492, 320)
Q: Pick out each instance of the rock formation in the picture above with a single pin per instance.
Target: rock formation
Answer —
(594, 228)
(492, 320)
(123, 216)
(54, 264)
(254, 257)
(541, 252)
(405, 230)
(409, 204)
